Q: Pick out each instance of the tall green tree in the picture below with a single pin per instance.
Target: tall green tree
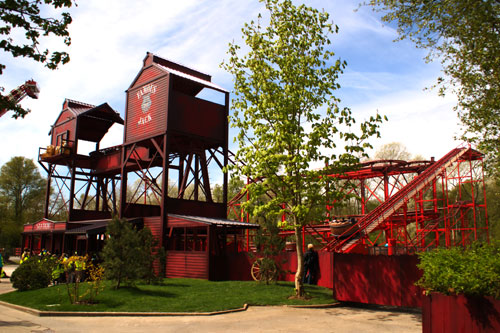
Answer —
(465, 36)
(27, 16)
(287, 115)
(22, 191)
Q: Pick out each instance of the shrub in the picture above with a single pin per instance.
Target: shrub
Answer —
(473, 271)
(81, 271)
(34, 273)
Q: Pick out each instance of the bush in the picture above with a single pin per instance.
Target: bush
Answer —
(473, 271)
(34, 273)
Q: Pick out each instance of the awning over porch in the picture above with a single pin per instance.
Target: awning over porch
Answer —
(95, 226)
(174, 219)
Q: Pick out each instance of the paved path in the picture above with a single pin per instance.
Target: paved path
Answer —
(255, 319)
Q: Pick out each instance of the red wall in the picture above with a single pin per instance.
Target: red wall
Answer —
(69, 126)
(382, 280)
(147, 75)
(187, 264)
(153, 121)
(193, 116)
(239, 265)
(459, 313)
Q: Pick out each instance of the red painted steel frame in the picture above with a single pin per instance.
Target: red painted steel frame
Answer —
(425, 205)
(405, 207)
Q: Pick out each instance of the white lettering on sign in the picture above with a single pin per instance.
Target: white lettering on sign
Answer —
(144, 120)
(147, 89)
(44, 226)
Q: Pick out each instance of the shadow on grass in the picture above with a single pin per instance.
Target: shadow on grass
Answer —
(138, 291)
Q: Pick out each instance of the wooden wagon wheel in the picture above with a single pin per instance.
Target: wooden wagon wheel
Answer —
(256, 272)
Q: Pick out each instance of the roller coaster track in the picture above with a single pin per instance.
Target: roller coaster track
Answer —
(376, 217)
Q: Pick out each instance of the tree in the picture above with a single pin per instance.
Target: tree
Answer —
(465, 36)
(22, 191)
(288, 118)
(25, 16)
(127, 253)
(393, 151)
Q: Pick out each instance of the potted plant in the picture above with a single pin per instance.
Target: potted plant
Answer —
(462, 287)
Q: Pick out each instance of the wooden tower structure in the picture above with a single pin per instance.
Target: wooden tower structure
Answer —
(175, 147)
(171, 140)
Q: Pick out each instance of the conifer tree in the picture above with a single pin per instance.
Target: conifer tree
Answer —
(126, 254)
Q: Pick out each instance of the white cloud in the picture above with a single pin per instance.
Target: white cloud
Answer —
(421, 120)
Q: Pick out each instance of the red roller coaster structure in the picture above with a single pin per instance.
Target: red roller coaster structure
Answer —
(402, 207)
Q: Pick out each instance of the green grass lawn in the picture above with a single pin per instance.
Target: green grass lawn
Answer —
(174, 295)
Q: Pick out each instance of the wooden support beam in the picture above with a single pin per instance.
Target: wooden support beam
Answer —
(182, 185)
(206, 178)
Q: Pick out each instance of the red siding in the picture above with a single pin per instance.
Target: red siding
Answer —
(196, 208)
(382, 280)
(147, 75)
(194, 116)
(147, 110)
(60, 226)
(109, 162)
(459, 313)
(239, 265)
(70, 126)
(154, 224)
(187, 265)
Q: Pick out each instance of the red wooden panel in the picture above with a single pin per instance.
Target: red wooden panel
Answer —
(70, 126)
(141, 210)
(147, 110)
(109, 162)
(187, 265)
(60, 226)
(84, 215)
(153, 223)
(239, 265)
(147, 75)
(459, 313)
(194, 116)
(382, 280)
(196, 208)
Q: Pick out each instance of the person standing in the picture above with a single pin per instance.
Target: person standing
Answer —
(25, 255)
(311, 265)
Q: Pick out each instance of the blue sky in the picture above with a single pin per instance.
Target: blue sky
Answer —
(110, 39)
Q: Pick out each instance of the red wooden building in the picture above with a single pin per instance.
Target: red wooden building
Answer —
(175, 146)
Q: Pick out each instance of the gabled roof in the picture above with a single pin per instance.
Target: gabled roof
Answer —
(182, 71)
(208, 84)
(103, 115)
(75, 107)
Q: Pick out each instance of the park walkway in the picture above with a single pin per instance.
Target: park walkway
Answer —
(254, 319)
